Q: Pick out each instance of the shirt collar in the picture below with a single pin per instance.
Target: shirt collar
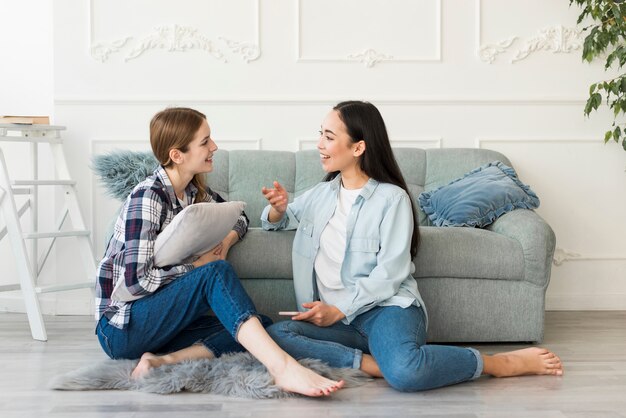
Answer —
(366, 192)
(190, 190)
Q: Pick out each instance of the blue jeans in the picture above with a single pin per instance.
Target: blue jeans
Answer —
(394, 336)
(176, 316)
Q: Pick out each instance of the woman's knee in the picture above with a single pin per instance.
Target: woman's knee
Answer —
(220, 268)
(405, 380)
(409, 376)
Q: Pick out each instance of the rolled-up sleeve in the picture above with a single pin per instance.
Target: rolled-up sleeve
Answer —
(241, 226)
(291, 218)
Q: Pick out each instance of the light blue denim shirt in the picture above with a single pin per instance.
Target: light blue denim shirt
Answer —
(377, 264)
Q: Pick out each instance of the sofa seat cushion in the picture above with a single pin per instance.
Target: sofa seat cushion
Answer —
(444, 252)
(468, 253)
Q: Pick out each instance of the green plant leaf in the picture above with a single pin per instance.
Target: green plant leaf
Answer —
(605, 39)
(592, 88)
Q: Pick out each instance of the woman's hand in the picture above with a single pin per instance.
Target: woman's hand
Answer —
(219, 252)
(278, 198)
(320, 314)
(210, 256)
(226, 244)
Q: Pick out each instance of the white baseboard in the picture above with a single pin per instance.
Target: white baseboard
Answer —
(601, 302)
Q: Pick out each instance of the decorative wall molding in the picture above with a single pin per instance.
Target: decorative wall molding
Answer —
(533, 140)
(101, 51)
(369, 57)
(175, 38)
(561, 255)
(313, 101)
(555, 39)
(488, 53)
(249, 51)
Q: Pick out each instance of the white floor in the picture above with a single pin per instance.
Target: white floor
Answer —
(592, 346)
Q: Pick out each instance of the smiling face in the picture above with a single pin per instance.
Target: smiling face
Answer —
(198, 158)
(337, 151)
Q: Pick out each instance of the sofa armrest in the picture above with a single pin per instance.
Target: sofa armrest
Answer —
(536, 238)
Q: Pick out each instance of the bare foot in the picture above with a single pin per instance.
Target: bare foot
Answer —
(298, 379)
(532, 360)
(148, 361)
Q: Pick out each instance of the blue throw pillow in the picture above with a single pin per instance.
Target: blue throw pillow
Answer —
(478, 198)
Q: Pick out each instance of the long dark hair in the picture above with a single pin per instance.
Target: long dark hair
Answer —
(365, 123)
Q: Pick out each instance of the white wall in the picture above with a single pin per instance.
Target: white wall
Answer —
(27, 80)
(266, 72)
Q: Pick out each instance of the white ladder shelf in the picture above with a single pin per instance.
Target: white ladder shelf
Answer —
(29, 269)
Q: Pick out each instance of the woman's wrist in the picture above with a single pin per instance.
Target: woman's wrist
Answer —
(274, 215)
(231, 238)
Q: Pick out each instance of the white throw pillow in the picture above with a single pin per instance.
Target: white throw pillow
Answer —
(194, 231)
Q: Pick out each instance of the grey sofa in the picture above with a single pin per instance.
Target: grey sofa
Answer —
(479, 285)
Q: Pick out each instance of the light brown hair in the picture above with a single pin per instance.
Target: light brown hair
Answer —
(175, 128)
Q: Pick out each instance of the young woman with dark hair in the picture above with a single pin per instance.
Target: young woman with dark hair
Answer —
(165, 309)
(352, 261)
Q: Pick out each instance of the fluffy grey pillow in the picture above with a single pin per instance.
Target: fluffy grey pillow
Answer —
(194, 231)
(119, 171)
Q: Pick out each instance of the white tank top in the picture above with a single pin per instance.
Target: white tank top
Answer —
(332, 249)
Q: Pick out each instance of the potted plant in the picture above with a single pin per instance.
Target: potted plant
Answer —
(606, 38)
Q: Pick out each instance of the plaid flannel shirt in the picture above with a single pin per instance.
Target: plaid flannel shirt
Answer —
(129, 257)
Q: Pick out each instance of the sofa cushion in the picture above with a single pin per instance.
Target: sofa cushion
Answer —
(412, 162)
(468, 253)
(194, 231)
(263, 255)
(250, 170)
(309, 170)
(478, 198)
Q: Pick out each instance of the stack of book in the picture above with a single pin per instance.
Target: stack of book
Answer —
(26, 120)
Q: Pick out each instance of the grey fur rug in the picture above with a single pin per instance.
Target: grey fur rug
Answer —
(237, 374)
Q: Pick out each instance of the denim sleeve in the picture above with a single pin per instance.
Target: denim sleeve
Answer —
(393, 262)
(291, 218)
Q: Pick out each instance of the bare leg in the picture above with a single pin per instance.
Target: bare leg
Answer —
(369, 366)
(532, 360)
(288, 374)
(149, 360)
